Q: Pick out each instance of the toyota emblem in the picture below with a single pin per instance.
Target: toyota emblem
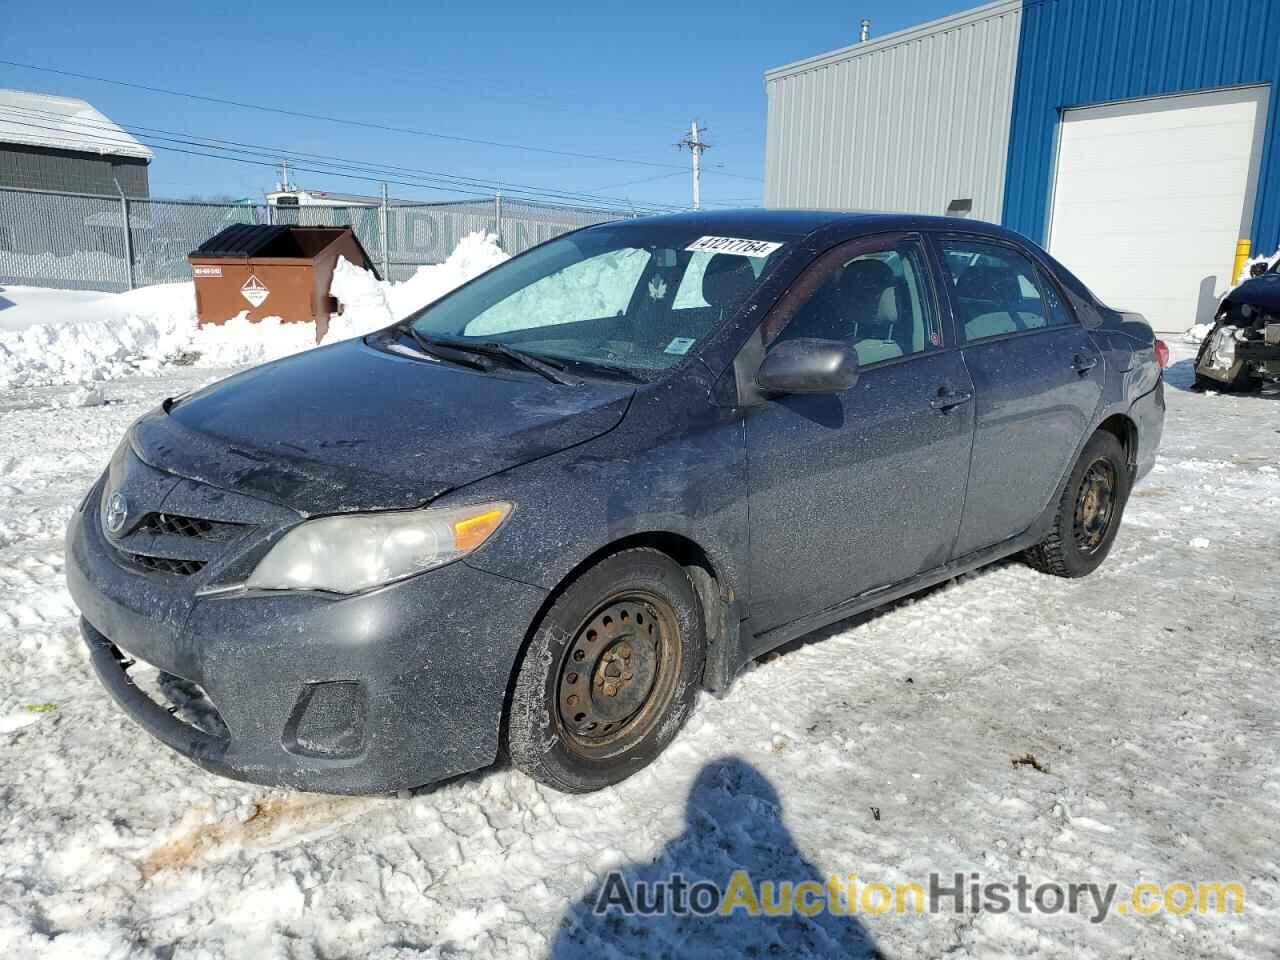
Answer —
(117, 512)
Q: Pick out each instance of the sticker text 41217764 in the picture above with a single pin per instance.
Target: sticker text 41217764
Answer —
(734, 245)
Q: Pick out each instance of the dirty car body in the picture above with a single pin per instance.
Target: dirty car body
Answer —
(790, 510)
(1242, 350)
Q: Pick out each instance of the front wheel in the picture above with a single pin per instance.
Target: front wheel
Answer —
(610, 675)
(1088, 515)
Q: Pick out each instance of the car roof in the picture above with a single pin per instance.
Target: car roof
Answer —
(761, 223)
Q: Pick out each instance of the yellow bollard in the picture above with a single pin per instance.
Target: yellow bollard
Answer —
(1242, 257)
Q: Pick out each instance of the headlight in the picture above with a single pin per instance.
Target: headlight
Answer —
(347, 554)
(1225, 346)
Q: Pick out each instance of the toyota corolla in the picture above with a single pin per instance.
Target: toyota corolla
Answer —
(540, 515)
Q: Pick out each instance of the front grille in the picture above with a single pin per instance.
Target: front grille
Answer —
(173, 545)
(167, 524)
(179, 568)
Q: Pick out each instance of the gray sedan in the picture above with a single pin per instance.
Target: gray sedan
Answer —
(540, 515)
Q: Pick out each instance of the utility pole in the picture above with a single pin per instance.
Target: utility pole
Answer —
(386, 236)
(284, 174)
(695, 144)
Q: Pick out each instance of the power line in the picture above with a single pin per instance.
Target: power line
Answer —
(106, 128)
(366, 124)
(632, 183)
(271, 164)
(101, 132)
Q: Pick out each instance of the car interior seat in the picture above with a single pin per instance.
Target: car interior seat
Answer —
(870, 301)
(986, 295)
(726, 281)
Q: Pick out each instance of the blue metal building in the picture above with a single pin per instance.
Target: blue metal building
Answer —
(1074, 53)
(1136, 139)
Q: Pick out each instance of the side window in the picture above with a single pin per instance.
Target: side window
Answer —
(995, 290)
(877, 301)
(1059, 314)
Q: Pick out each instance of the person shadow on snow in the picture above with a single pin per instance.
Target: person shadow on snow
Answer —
(733, 822)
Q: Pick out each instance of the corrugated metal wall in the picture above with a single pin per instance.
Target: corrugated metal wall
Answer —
(909, 122)
(1080, 52)
(42, 168)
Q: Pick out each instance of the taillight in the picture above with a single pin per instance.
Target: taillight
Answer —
(1162, 354)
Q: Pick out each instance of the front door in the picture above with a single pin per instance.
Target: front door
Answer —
(1037, 380)
(858, 490)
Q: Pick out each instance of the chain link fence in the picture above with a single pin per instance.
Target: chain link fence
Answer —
(83, 242)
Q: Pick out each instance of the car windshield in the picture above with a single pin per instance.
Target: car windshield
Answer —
(631, 298)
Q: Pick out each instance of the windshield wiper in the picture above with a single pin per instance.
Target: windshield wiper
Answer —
(610, 371)
(444, 351)
(492, 348)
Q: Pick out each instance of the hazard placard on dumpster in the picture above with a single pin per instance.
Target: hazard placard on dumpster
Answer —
(255, 291)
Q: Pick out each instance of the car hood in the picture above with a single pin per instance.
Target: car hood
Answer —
(1263, 291)
(354, 427)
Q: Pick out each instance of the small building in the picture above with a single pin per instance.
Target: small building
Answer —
(297, 197)
(1134, 139)
(64, 144)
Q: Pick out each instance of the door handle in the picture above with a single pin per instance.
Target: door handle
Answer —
(946, 399)
(1083, 365)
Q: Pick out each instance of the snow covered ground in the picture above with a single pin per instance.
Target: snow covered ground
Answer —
(883, 747)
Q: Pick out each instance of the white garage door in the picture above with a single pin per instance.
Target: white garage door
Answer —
(1150, 197)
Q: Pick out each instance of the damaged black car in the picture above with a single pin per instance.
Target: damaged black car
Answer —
(1242, 351)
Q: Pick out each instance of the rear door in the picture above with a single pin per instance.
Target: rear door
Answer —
(1037, 380)
(858, 490)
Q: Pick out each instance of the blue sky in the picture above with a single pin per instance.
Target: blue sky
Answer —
(620, 80)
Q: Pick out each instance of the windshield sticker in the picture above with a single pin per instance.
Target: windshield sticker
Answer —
(680, 345)
(744, 248)
(657, 288)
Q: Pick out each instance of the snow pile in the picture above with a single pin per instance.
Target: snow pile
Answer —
(369, 303)
(117, 334)
(114, 335)
(22, 307)
(1197, 332)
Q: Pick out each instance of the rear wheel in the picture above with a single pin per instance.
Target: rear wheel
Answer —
(1089, 511)
(610, 675)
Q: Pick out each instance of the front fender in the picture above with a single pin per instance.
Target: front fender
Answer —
(676, 465)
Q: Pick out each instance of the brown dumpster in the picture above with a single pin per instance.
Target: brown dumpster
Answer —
(272, 271)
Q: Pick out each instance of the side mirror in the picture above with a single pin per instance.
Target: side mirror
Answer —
(807, 365)
(1258, 269)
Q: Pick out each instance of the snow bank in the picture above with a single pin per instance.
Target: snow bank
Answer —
(1197, 332)
(22, 307)
(118, 334)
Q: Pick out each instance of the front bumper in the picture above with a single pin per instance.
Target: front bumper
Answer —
(389, 689)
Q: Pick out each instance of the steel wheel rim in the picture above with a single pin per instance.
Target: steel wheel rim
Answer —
(618, 674)
(1095, 506)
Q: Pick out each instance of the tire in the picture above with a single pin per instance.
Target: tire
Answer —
(610, 675)
(1081, 535)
